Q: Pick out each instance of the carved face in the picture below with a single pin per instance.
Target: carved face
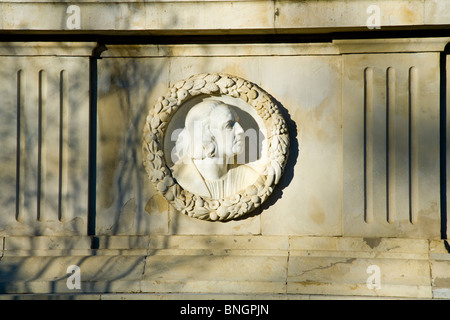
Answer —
(227, 132)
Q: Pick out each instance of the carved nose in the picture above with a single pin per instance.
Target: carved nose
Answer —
(238, 129)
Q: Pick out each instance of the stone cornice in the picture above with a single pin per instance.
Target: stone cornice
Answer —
(218, 17)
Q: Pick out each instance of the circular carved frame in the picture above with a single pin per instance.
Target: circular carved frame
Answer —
(191, 204)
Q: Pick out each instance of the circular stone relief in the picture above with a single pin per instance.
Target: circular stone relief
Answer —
(215, 146)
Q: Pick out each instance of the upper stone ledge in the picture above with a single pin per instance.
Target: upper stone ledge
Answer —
(241, 242)
(83, 49)
(392, 45)
(220, 16)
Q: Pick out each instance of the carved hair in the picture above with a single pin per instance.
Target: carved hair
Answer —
(197, 126)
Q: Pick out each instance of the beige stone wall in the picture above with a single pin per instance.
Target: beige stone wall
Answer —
(361, 188)
(201, 17)
(44, 128)
(282, 76)
(363, 116)
(223, 267)
(360, 164)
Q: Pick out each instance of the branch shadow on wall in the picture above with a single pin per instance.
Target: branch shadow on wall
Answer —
(120, 265)
(123, 189)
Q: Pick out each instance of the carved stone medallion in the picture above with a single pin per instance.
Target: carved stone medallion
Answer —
(215, 146)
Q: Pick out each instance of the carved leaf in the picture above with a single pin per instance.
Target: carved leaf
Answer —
(158, 107)
(155, 122)
(157, 162)
(277, 171)
(149, 137)
(198, 84)
(179, 203)
(150, 156)
(161, 186)
(212, 78)
(210, 88)
(225, 82)
(169, 196)
(168, 181)
(251, 190)
(243, 89)
(223, 212)
(164, 116)
(175, 190)
(157, 175)
(243, 97)
(188, 85)
(206, 217)
(179, 84)
(270, 176)
(153, 146)
(234, 93)
(200, 210)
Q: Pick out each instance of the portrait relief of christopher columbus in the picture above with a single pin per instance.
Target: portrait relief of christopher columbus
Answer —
(207, 147)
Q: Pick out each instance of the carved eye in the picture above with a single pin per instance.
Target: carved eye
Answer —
(229, 124)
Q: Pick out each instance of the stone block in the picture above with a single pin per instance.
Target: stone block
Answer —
(214, 273)
(307, 199)
(343, 266)
(47, 274)
(440, 268)
(369, 46)
(391, 145)
(183, 61)
(329, 14)
(47, 245)
(224, 242)
(291, 267)
(44, 152)
(356, 214)
(40, 49)
(127, 202)
(310, 94)
(182, 224)
(308, 89)
(436, 12)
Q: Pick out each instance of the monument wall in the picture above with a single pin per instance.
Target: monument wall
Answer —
(362, 182)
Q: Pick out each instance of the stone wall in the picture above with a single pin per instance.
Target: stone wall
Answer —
(364, 184)
(323, 91)
(201, 17)
(217, 267)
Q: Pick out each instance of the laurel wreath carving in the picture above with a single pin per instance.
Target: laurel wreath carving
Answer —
(246, 200)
